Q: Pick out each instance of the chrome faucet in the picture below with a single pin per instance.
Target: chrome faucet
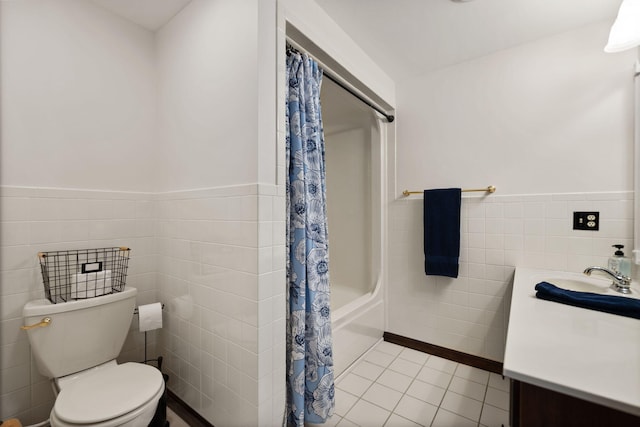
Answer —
(620, 283)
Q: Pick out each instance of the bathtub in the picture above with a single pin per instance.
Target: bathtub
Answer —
(356, 326)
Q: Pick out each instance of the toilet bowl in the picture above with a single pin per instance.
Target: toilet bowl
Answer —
(76, 347)
(108, 395)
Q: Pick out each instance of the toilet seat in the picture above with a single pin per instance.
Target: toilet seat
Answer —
(115, 392)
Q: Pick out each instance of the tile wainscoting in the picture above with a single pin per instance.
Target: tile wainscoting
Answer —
(221, 274)
(215, 257)
(498, 233)
(34, 220)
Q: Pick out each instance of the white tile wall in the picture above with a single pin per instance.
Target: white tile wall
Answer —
(470, 313)
(40, 219)
(215, 257)
(221, 274)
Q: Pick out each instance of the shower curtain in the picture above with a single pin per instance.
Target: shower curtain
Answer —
(310, 387)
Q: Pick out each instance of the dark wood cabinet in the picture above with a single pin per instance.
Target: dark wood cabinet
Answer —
(533, 406)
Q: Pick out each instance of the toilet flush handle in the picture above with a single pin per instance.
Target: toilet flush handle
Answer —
(44, 322)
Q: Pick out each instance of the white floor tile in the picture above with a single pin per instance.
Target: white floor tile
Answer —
(367, 414)
(379, 358)
(449, 419)
(494, 417)
(346, 423)
(396, 386)
(331, 422)
(354, 384)
(497, 398)
(427, 392)
(382, 396)
(462, 405)
(396, 420)
(441, 364)
(344, 402)
(435, 377)
(472, 374)
(405, 367)
(368, 370)
(416, 410)
(389, 348)
(499, 382)
(414, 356)
(468, 388)
(394, 380)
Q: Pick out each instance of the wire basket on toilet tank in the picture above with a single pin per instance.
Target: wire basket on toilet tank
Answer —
(85, 273)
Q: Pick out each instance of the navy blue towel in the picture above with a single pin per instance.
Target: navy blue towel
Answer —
(442, 231)
(623, 306)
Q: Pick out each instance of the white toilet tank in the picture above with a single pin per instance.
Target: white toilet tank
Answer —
(82, 334)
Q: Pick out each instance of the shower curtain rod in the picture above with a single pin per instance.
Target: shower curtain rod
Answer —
(291, 45)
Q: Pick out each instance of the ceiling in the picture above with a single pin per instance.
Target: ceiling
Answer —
(150, 14)
(412, 37)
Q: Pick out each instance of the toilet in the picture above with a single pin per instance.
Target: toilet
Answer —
(77, 348)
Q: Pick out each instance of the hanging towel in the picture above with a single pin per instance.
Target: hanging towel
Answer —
(442, 231)
(622, 306)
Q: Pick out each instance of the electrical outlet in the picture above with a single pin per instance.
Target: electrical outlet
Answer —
(586, 221)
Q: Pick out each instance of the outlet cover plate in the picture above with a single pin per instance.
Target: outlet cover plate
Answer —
(586, 221)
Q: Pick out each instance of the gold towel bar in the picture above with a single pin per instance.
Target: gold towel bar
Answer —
(489, 189)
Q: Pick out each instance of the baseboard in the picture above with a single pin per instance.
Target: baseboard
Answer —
(186, 412)
(447, 353)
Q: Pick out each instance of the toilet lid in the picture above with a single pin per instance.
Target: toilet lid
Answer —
(108, 393)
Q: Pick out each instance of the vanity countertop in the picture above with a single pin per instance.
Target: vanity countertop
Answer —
(583, 353)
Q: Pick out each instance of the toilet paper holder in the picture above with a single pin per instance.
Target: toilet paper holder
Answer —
(159, 359)
(135, 310)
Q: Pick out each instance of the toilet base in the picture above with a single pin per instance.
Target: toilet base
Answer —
(160, 417)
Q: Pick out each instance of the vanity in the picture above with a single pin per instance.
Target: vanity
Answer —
(570, 366)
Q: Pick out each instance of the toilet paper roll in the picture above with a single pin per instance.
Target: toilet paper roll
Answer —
(150, 316)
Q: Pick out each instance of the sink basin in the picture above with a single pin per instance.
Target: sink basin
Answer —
(583, 283)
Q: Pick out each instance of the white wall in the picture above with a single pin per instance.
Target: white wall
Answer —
(181, 115)
(221, 241)
(551, 116)
(78, 115)
(78, 97)
(550, 124)
(208, 96)
(348, 178)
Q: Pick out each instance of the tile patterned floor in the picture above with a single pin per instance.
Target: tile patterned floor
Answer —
(397, 386)
(394, 386)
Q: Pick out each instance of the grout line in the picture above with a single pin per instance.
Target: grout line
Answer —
(486, 389)
(446, 390)
(413, 380)
(404, 393)
(374, 382)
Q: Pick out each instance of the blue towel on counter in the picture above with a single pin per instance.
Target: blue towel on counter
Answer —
(442, 231)
(622, 306)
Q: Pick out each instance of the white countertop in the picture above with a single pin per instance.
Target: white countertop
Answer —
(583, 353)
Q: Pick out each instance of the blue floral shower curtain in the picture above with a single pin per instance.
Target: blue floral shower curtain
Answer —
(310, 387)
